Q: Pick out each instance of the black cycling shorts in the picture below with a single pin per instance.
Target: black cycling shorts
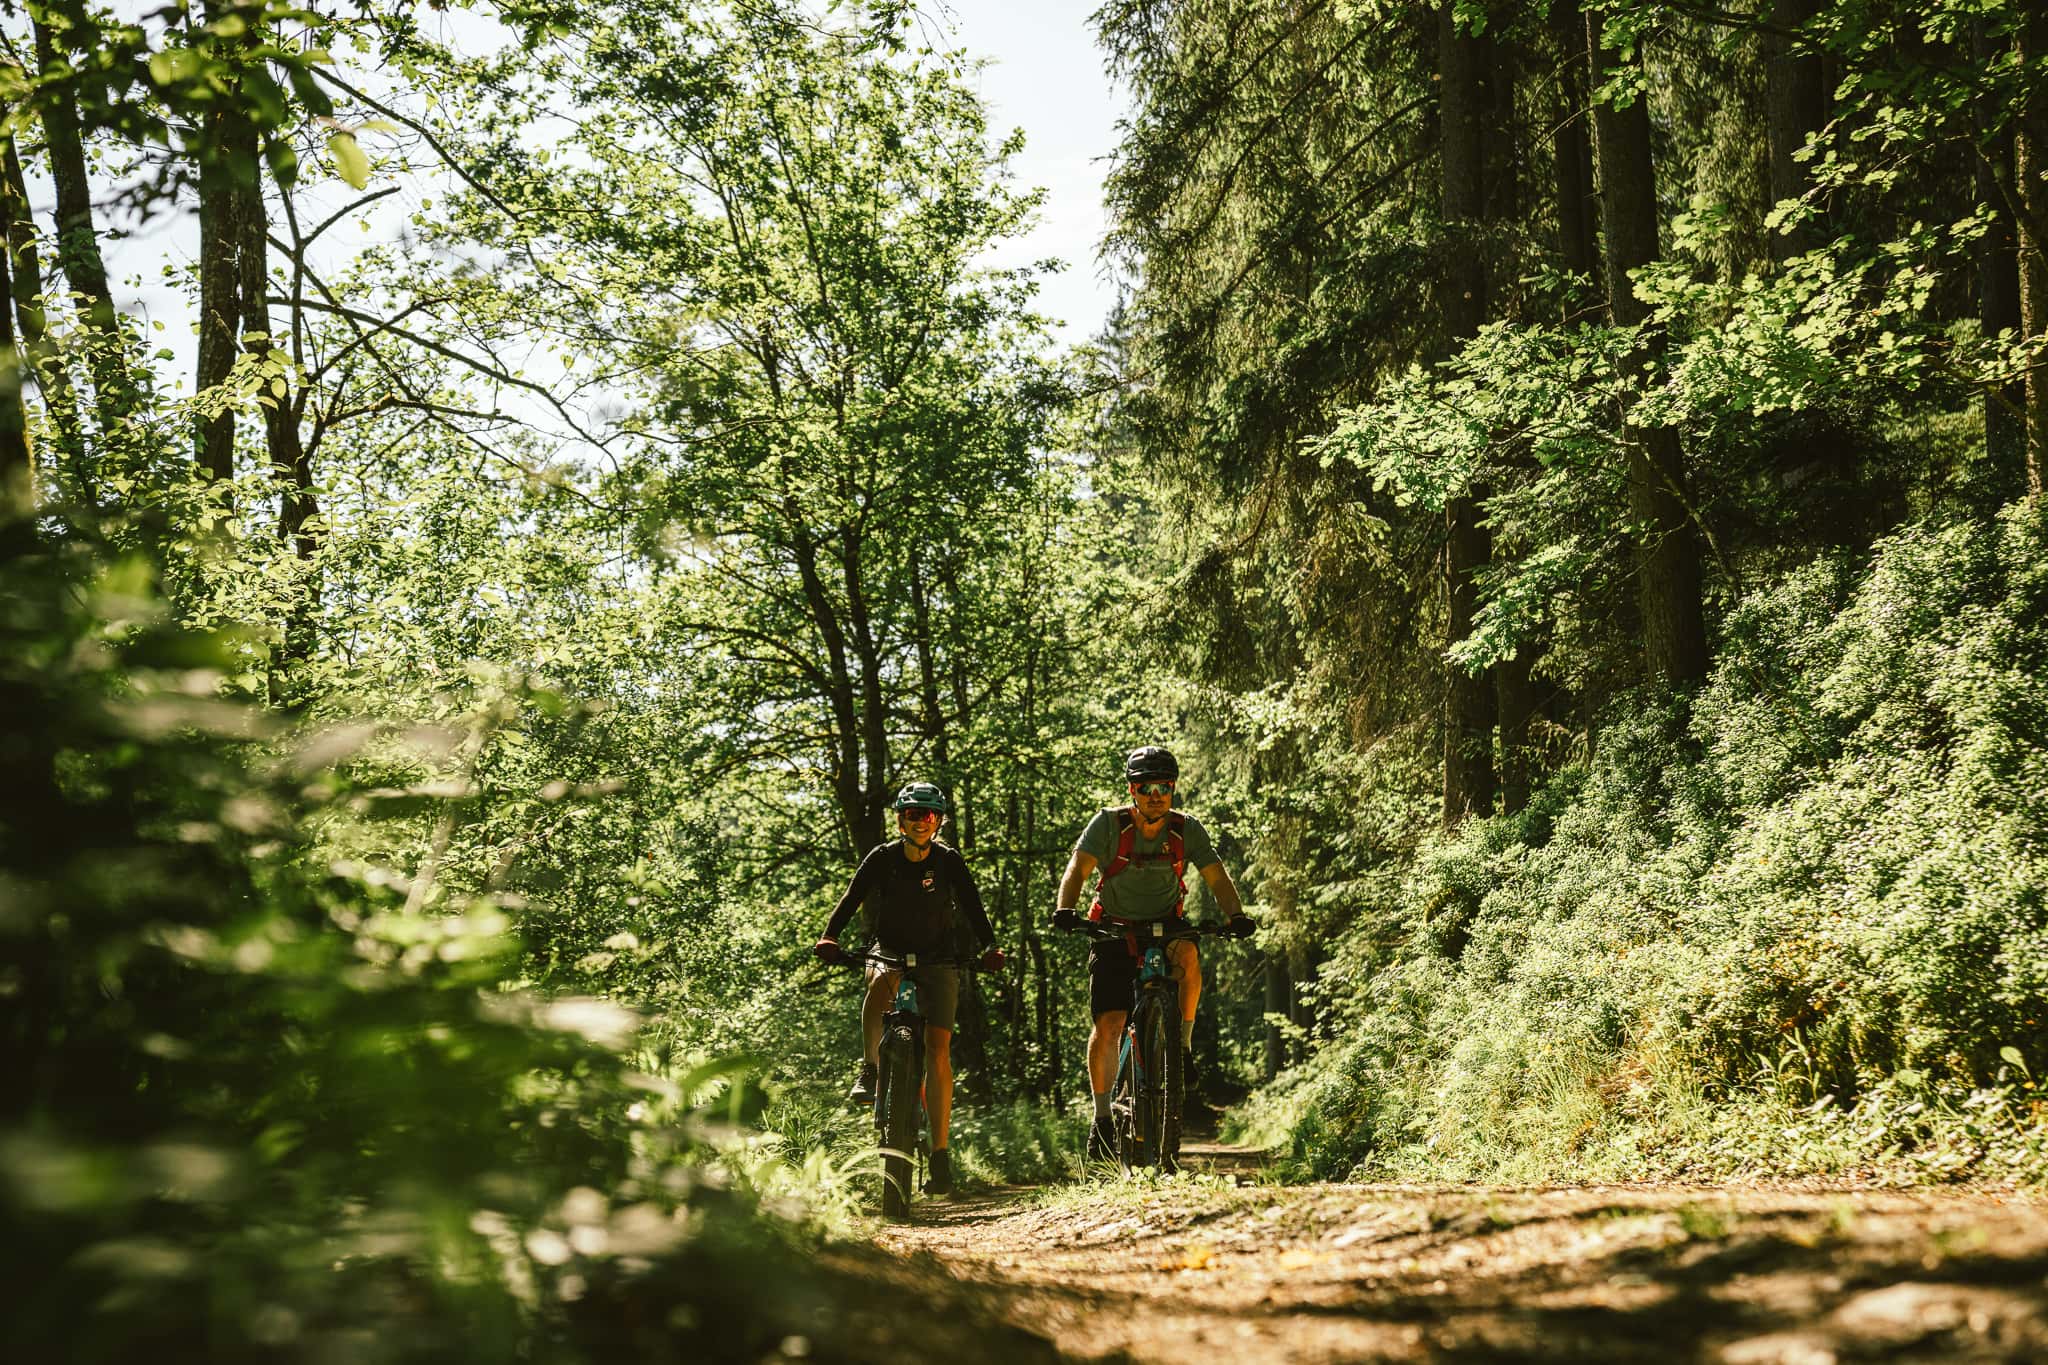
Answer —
(1112, 977)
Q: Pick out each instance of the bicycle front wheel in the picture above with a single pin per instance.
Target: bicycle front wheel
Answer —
(1155, 1106)
(896, 1113)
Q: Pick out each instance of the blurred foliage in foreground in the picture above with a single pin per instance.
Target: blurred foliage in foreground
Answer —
(261, 1113)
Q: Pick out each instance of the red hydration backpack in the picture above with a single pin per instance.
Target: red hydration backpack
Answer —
(1176, 850)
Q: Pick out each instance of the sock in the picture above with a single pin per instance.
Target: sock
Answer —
(1101, 1104)
(1187, 1035)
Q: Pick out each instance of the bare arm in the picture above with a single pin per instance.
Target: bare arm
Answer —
(1074, 878)
(1225, 891)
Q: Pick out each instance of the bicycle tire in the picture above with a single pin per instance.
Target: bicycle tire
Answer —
(1174, 1080)
(1156, 1048)
(1122, 1107)
(896, 1115)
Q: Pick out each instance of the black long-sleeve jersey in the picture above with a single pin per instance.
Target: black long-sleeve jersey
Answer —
(911, 905)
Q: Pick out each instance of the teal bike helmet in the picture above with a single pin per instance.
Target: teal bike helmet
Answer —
(922, 796)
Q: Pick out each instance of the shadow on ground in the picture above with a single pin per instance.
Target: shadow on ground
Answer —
(1333, 1272)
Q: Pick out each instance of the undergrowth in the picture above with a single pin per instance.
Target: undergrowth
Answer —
(1795, 925)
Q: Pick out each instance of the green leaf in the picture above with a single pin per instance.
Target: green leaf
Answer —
(284, 162)
(349, 159)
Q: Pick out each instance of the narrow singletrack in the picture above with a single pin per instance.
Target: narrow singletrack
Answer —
(1220, 1264)
(1131, 1271)
(1624, 1273)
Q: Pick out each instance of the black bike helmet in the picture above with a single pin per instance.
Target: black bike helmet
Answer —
(922, 796)
(1151, 764)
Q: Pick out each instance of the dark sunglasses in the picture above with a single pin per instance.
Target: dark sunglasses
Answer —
(917, 815)
(1151, 788)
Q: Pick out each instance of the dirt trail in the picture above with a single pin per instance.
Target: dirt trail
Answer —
(1746, 1276)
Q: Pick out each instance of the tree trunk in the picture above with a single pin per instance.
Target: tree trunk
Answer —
(1515, 696)
(1276, 1009)
(1469, 698)
(45, 360)
(963, 700)
(1468, 701)
(78, 251)
(1998, 270)
(1796, 106)
(1461, 110)
(1501, 171)
(290, 463)
(1667, 554)
(1301, 1012)
(2030, 154)
(874, 698)
(933, 719)
(17, 471)
(848, 792)
(1577, 240)
(220, 296)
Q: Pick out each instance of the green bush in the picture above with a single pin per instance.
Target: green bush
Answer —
(1821, 884)
(260, 1108)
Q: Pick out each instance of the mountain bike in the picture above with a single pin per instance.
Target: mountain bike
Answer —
(1145, 1100)
(899, 1082)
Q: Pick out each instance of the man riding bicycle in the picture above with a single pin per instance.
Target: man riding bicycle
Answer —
(1143, 850)
(912, 886)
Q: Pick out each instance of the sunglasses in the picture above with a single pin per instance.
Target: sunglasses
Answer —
(917, 815)
(1152, 788)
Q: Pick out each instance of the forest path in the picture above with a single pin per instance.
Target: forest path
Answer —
(1207, 1269)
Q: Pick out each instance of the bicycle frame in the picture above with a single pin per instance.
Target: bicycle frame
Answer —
(902, 1027)
(1152, 972)
(905, 1013)
(1143, 1081)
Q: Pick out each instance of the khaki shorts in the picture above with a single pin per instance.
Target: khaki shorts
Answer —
(938, 990)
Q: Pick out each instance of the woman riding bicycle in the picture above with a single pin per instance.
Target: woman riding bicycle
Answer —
(1143, 850)
(913, 887)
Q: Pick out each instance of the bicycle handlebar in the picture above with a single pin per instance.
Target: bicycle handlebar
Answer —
(893, 961)
(1119, 932)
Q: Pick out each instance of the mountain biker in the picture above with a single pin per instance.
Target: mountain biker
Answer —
(1143, 849)
(912, 886)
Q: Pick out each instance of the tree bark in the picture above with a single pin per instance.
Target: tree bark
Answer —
(1515, 696)
(1998, 269)
(1667, 551)
(220, 296)
(1796, 106)
(1577, 237)
(963, 702)
(847, 790)
(1277, 1007)
(874, 698)
(45, 360)
(2030, 155)
(934, 716)
(1301, 1011)
(17, 471)
(1469, 697)
(1468, 700)
(78, 249)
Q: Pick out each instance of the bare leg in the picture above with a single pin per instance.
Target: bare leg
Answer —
(1187, 971)
(881, 994)
(938, 1082)
(1102, 1049)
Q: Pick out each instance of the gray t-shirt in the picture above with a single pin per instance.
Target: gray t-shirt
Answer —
(1147, 889)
